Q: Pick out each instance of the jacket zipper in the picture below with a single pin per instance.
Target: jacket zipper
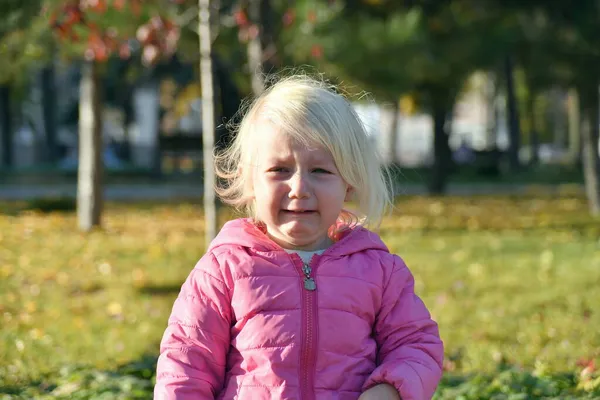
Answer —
(310, 331)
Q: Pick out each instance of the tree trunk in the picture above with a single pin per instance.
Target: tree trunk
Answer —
(256, 74)
(589, 138)
(255, 50)
(267, 36)
(558, 118)
(89, 184)
(125, 96)
(534, 140)
(513, 116)
(208, 120)
(128, 118)
(6, 127)
(574, 120)
(260, 42)
(441, 152)
(230, 101)
(144, 147)
(49, 112)
(491, 112)
(389, 133)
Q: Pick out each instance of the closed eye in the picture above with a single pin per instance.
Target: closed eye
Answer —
(321, 171)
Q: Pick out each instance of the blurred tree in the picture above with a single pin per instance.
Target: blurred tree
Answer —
(19, 30)
(559, 44)
(577, 55)
(96, 30)
(5, 126)
(534, 54)
(573, 156)
(18, 39)
(514, 126)
(388, 134)
(254, 18)
(424, 48)
(260, 25)
(22, 38)
(48, 100)
(585, 57)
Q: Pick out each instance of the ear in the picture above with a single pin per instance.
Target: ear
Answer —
(349, 193)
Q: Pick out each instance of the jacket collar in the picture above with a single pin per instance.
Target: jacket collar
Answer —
(247, 233)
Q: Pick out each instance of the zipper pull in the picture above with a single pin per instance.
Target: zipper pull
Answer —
(309, 282)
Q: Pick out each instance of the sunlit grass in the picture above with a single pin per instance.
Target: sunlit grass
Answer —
(510, 281)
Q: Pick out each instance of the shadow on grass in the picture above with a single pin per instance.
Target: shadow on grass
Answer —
(11, 209)
(132, 381)
(160, 290)
(589, 228)
(38, 386)
(42, 204)
(10, 390)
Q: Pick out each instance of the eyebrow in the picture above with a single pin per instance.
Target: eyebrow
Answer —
(314, 160)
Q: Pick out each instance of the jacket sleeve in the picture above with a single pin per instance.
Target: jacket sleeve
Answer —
(410, 351)
(194, 347)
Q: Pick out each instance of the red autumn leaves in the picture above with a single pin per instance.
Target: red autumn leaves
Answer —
(248, 30)
(74, 22)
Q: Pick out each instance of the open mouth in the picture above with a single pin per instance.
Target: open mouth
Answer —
(298, 211)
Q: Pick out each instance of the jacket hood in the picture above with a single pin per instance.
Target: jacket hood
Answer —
(244, 232)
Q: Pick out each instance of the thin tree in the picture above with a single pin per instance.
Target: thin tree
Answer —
(99, 30)
(255, 47)
(573, 156)
(5, 126)
(514, 128)
(389, 132)
(208, 119)
(89, 172)
(255, 20)
(589, 140)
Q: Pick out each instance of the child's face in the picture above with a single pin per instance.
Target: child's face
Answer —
(298, 191)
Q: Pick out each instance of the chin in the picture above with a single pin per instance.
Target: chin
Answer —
(297, 237)
(298, 231)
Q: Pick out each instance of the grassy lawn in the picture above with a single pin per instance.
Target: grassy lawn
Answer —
(513, 283)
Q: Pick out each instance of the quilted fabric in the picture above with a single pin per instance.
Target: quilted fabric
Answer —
(245, 327)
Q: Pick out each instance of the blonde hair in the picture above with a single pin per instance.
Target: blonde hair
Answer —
(310, 111)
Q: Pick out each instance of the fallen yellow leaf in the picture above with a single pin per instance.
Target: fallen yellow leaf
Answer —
(114, 309)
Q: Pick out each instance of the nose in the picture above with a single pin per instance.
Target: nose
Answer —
(299, 186)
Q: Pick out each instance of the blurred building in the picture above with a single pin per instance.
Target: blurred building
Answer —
(153, 123)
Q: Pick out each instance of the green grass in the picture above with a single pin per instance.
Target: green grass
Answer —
(513, 283)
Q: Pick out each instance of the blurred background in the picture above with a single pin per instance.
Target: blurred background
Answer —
(487, 115)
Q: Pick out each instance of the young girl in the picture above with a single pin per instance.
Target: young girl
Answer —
(300, 300)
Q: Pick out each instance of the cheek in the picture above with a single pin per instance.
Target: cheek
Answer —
(335, 191)
(269, 192)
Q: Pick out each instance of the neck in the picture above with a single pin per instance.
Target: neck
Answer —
(322, 245)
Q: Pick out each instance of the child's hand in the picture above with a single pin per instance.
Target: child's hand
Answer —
(382, 391)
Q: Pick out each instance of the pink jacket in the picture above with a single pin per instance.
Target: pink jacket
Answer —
(245, 327)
